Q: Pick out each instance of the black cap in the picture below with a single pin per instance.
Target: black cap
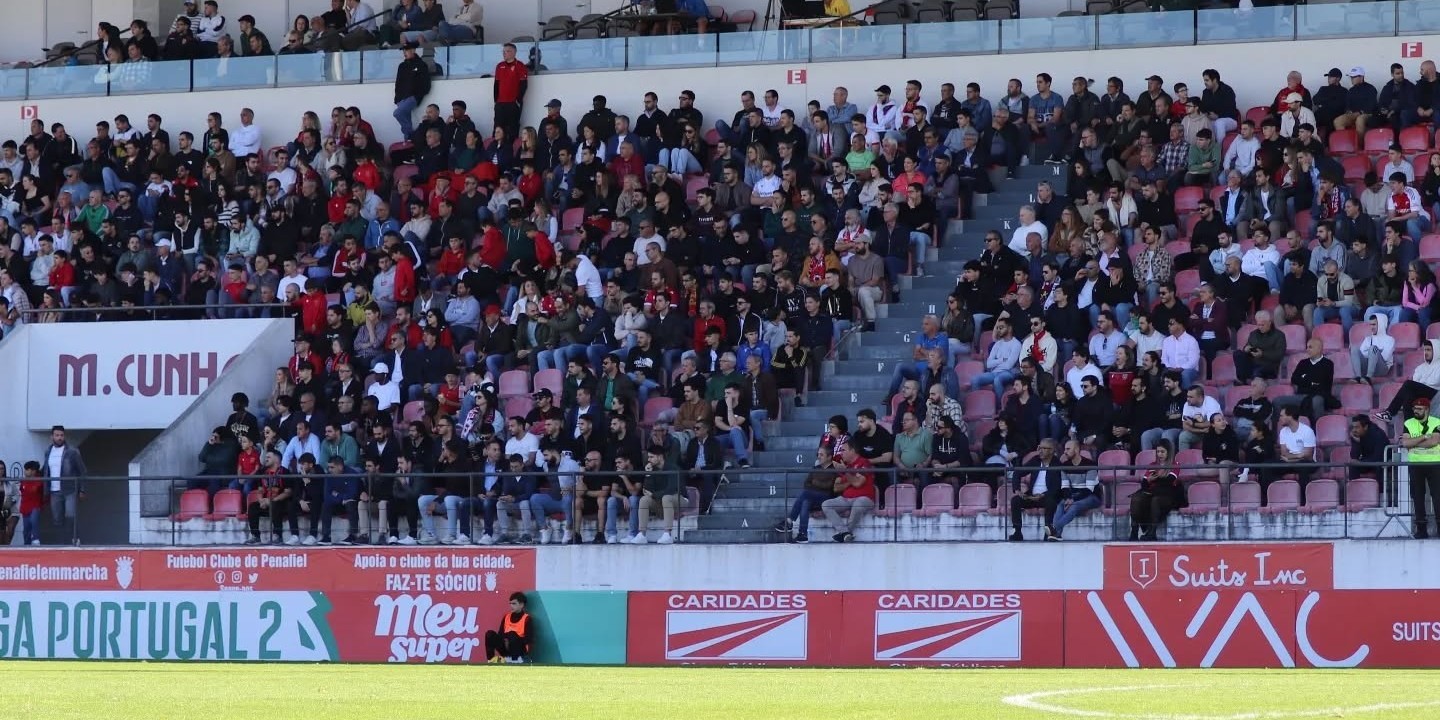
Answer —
(1156, 78)
(543, 393)
(883, 89)
(1335, 73)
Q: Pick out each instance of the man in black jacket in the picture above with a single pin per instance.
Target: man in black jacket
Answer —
(412, 84)
(702, 459)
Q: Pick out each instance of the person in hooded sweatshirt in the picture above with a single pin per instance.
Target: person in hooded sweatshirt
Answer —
(1376, 354)
(1423, 383)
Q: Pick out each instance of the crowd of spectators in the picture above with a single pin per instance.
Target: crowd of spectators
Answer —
(712, 267)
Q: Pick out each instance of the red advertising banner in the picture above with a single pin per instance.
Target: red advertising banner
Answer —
(952, 629)
(333, 604)
(1179, 628)
(1368, 628)
(744, 628)
(1219, 566)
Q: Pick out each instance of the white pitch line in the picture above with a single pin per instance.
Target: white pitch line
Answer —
(1034, 701)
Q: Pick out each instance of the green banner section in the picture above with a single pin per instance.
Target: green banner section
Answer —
(578, 627)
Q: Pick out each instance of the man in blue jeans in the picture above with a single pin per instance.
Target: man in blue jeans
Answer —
(558, 472)
(412, 84)
(819, 487)
(930, 338)
(1080, 489)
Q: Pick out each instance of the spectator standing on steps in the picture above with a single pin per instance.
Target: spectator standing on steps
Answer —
(66, 470)
(512, 78)
(412, 84)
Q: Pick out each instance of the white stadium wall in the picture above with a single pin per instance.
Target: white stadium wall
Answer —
(1255, 70)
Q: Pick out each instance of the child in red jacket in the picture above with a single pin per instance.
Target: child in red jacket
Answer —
(32, 500)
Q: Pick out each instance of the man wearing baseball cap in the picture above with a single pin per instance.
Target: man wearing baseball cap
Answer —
(1295, 115)
(1329, 100)
(1422, 444)
(1362, 104)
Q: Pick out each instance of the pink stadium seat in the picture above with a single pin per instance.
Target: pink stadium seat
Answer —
(1378, 141)
(1178, 247)
(653, 407)
(1245, 496)
(1257, 115)
(692, 502)
(1407, 336)
(193, 504)
(966, 369)
(1186, 281)
(413, 411)
(694, 185)
(1343, 142)
(982, 347)
(1362, 494)
(1187, 199)
(1305, 224)
(1243, 334)
(228, 504)
(1409, 361)
(899, 500)
(1358, 331)
(1283, 496)
(1117, 503)
(1357, 398)
(1144, 459)
(1432, 332)
(520, 405)
(1388, 391)
(1321, 495)
(1204, 498)
(514, 383)
(553, 380)
(974, 499)
(1277, 390)
(978, 431)
(1295, 337)
(1222, 371)
(1114, 459)
(1216, 193)
(1343, 370)
(1430, 248)
(1332, 337)
(1356, 166)
(979, 405)
(938, 499)
(1415, 139)
(1332, 430)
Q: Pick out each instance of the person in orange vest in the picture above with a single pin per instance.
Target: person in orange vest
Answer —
(511, 644)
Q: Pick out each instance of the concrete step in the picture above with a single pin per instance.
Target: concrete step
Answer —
(802, 438)
(1037, 171)
(731, 537)
(882, 338)
(856, 367)
(836, 398)
(878, 352)
(741, 521)
(931, 282)
(762, 491)
(785, 458)
(773, 506)
(856, 382)
(821, 414)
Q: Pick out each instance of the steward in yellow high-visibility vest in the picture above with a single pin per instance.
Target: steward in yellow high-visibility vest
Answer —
(1422, 440)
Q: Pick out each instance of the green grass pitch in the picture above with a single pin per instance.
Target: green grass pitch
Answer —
(120, 691)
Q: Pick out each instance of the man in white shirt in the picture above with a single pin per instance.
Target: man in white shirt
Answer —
(1083, 365)
(385, 390)
(293, 276)
(1104, 342)
(1296, 443)
(1002, 361)
(1180, 351)
(1262, 260)
(304, 443)
(1241, 155)
(768, 184)
(884, 115)
(1225, 248)
(211, 24)
(1395, 162)
(1040, 489)
(643, 242)
(1195, 416)
(587, 277)
(1404, 205)
(1145, 337)
(770, 110)
(284, 174)
(245, 139)
(1028, 224)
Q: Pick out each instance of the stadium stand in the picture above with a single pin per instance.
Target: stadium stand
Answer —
(956, 289)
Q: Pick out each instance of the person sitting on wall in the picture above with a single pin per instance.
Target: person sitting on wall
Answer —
(512, 642)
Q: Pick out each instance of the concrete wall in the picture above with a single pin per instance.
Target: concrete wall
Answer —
(277, 111)
(174, 451)
(17, 443)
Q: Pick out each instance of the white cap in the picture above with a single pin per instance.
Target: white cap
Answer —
(1357, 71)
(165, 243)
(381, 369)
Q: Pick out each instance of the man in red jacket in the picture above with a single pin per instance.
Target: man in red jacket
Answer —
(404, 276)
(312, 306)
(511, 80)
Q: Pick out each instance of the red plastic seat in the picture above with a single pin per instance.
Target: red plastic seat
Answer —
(193, 504)
(1343, 142)
(938, 499)
(1257, 115)
(1295, 337)
(1407, 336)
(1357, 398)
(1276, 390)
(975, 498)
(1284, 496)
(514, 383)
(228, 504)
(1415, 139)
(1114, 459)
(1144, 459)
(653, 407)
(1343, 369)
(1187, 199)
(1332, 337)
(1245, 496)
(966, 369)
(1321, 495)
(694, 185)
(1388, 391)
(899, 500)
(1222, 371)
(520, 405)
(1204, 497)
(1186, 282)
(1430, 248)
(1361, 494)
(1117, 503)
(552, 380)
(979, 405)
(1378, 140)
(1332, 430)
(1356, 166)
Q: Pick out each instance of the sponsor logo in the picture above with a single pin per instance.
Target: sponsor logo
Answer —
(736, 635)
(736, 601)
(1204, 567)
(140, 374)
(973, 636)
(1166, 631)
(421, 629)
